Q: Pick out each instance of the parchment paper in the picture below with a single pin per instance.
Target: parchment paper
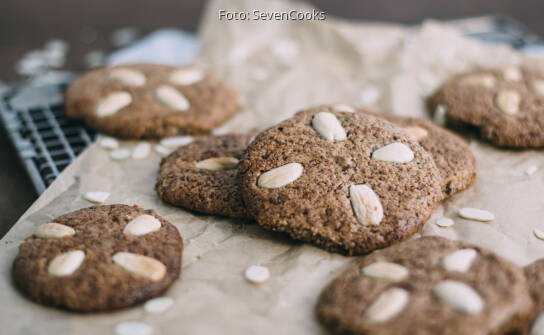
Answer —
(280, 67)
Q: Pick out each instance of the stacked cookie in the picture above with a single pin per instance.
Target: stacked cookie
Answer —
(344, 180)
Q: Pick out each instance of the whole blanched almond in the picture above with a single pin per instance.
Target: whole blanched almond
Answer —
(512, 73)
(54, 230)
(388, 305)
(328, 126)
(459, 260)
(418, 133)
(113, 103)
(280, 176)
(395, 152)
(142, 225)
(217, 164)
(508, 101)
(129, 77)
(366, 205)
(386, 270)
(459, 296)
(537, 86)
(172, 98)
(186, 76)
(66, 264)
(486, 80)
(147, 267)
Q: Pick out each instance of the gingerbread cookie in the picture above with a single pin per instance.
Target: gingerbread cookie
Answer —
(99, 258)
(505, 105)
(347, 182)
(429, 285)
(202, 176)
(535, 279)
(451, 153)
(150, 101)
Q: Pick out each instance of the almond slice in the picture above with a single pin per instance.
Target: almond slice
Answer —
(476, 214)
(66, 264)
(172, 98)
(176, 141)
(386, 270)
(109, 143)
(113, 103)
(217, 164)
(186, 76)
(444, 222)
(280, 176)
(133, 328)
(120, 154)
(388, 305)
(395, 152)
(53, 230)
(486, 80)
(142, 225)
(459, 296)
(158, 305)
(537, 86)
(257, 274)
(508, 101)
(366, 205)
(343, 108)
(129, 77)
(418, 133)
(96, 197)
(141, 265)
(141, 150)
(512, 73)
(328, 126)
(459, 260)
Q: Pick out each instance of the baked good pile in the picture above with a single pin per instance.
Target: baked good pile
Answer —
(341, 178)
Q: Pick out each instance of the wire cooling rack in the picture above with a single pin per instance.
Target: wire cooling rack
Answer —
(47, 142)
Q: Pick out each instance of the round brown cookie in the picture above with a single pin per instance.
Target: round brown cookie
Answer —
(429, 285)
(506, 105)
(535, 280)
(451, 153)
(150, 100)
(347, 182)
(99, 258)
(201, 176)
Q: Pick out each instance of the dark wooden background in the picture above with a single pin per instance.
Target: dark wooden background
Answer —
(27, 24)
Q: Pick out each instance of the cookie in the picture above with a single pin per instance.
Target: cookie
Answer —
(202, 176)
(451, 153)
(429, 285)
(150, 101)
(535, 279)
(505, 105)
(346, 182)
(99, 258)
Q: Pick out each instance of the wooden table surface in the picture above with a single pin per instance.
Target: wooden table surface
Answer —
(87, 25)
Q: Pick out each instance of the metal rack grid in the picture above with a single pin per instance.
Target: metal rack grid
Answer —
(47, 142)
